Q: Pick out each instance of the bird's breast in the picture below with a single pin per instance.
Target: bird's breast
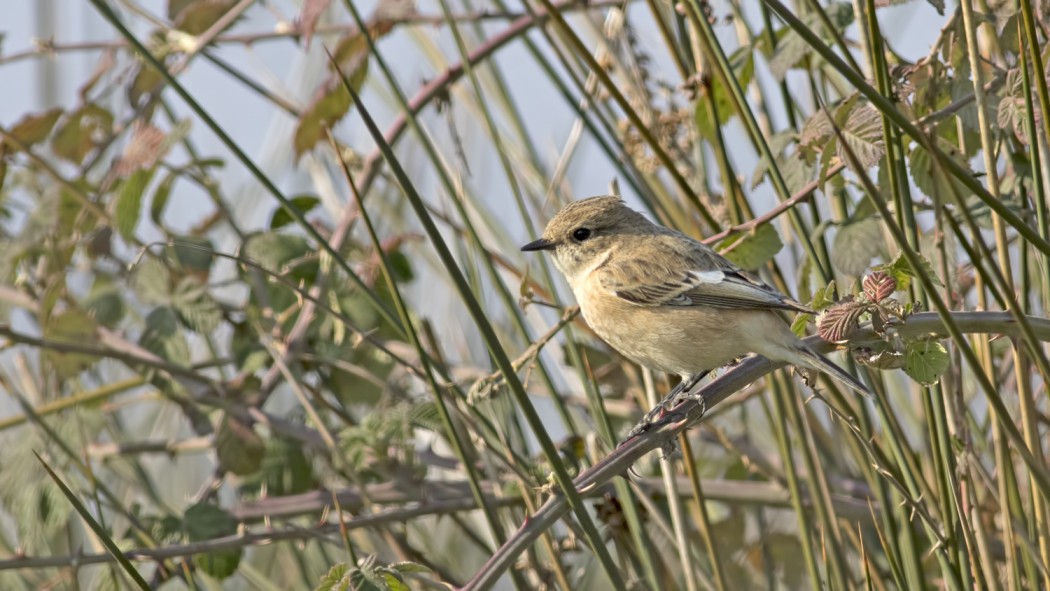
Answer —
(676, 339)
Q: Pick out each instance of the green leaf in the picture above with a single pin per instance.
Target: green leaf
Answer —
(933, 179)
(275, 252)
(146, 80)
(160, 198)
(855, 245)
(902, 272)
(284, 470)
(151, 281)
(925, 361)
(164, 337)
(239, 449)
(192, 253)
(400, 266)
(129, 203)
(205, 521)
(752, 249)
(195, 306)
(197, 17)
(105, 301)
(860, 125)
(301, 203)
(336, 579)
(742, 63)
(83, 131)
(33, 129)
(791, 48)
(71, 326)
(332, 101)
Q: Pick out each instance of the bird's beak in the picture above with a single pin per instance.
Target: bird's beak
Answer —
(541, 244)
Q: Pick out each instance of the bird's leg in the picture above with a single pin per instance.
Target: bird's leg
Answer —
(673, 399)
(683, 389)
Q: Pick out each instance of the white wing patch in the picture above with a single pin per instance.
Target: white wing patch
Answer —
(712, 276)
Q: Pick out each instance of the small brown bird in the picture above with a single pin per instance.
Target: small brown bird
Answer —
(666, 301)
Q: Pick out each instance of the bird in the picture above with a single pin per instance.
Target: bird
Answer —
(669, 302)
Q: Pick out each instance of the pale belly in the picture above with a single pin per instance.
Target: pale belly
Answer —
(678, 340)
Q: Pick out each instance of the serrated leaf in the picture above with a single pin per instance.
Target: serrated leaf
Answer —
(71, 326)
(925, 361)
(855, 245)
(863, 132)
(147, 145)
(902, 271)
(197, 309)
(878, 286)
(838, 321)
(860, 125)
(426, 415)
(128, 205)
(34, 128)
(336, 579)
(151, 281)
(281, 253)
(238, 448)
(410, 567)
(752, 249)
(83, 131)
(302, 204)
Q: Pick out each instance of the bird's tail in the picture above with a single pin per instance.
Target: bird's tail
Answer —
(817, 361)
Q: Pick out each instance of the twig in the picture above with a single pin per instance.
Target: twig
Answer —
(430, 498)
(48, 47)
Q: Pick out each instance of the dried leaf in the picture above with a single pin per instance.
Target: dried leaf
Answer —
(84, 130)
(308, 17)
(145, 148)
(33, 129)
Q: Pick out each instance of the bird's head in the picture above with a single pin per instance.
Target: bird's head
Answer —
(585, 231)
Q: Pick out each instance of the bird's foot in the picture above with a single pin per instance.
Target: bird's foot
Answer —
(678, 395)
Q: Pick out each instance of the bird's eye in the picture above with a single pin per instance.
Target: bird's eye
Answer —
(581, 234)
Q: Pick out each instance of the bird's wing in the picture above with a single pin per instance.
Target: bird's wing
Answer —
(691, 275)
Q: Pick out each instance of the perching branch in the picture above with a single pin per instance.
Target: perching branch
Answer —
(690, 412)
